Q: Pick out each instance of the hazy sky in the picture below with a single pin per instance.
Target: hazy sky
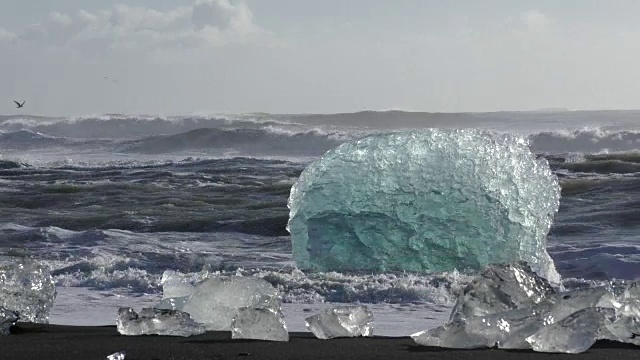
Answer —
(293, 56)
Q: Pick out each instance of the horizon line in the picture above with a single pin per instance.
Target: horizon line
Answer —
(210, 113)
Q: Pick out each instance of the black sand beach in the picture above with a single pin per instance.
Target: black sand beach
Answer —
(32, 341)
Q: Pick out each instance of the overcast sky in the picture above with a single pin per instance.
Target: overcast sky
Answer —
(74, 57)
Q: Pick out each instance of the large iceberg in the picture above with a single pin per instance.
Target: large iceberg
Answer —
(429, 200)
(26, 288)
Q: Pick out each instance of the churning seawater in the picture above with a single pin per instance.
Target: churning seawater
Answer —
(110, 202)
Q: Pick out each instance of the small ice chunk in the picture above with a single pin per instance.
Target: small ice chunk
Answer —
(341, 321)
(216, 300)
(507, 330)
(259, 324)
(452, 335)
(116, 356)
(7, 319)
(156, 321)
(501, 287)
(27, 288)
(573, 334)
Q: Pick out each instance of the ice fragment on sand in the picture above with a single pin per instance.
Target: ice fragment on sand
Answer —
(7, 319)
(156, 321)
(501, 287)
(259, 324)
(116, 356)
(216, 301)
(507, 329)
(428, 200)
(341, 321)
(452, 335)
(508, 306)
(27, 288)
(573, 334)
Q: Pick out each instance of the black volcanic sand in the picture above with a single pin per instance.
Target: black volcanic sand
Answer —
(53, 342)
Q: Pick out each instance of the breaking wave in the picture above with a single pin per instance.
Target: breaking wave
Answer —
(314, 134)
(586, 141)
(115, 126)
(295, 286)
(7, 164)
(28, 139)
(263, 141)
(619, 163)
(115, 259)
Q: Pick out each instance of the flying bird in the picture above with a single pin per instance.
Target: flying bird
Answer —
(19, 105)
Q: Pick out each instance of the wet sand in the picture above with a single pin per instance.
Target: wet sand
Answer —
(59, 342)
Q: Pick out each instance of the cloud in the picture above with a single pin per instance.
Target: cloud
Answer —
(203, 23)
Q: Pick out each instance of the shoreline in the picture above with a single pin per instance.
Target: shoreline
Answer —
(44, 341)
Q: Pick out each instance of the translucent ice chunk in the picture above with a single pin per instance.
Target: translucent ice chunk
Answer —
(116, 356)
(341, 321)
(573, 334)
(7, 319)
(506, 304)
(428, 200)
(156, 321)
(501, 287)
(27, 288)
(508, 330)
(259, 324)
(216, 301)
(452, 335)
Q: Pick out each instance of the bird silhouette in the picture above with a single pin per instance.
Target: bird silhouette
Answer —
(19, 105)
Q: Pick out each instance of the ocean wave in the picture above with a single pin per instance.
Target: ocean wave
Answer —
(604, 167)
(585, 141)
(28, 139)
(116, 126)
(264, 141)
(295, 286)
(116, 259)
(603, 261)
(9, 164)
(557, 133)
(108, 259)
(609, 163)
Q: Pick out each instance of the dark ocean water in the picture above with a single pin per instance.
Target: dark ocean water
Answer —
(110, 202)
